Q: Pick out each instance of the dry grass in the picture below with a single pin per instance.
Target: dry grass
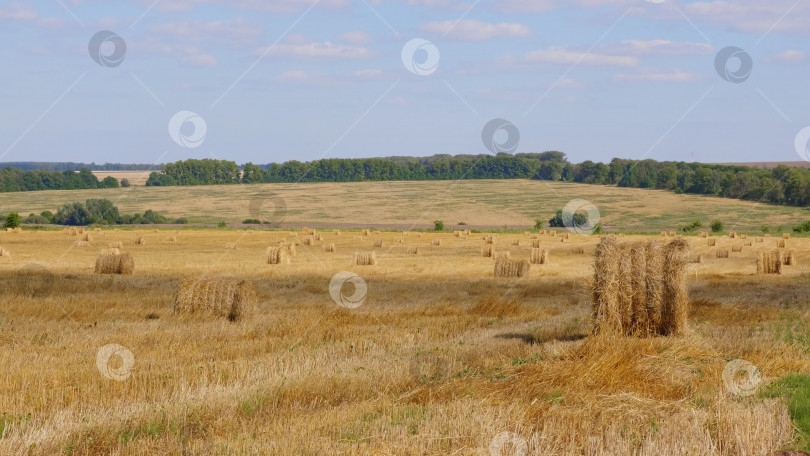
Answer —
(503, 255)
(4, 253)
(440, 359)
(82, 244)
(785, 235)
(230, 246)
(578, 250)
(229, 298)
(736, 249)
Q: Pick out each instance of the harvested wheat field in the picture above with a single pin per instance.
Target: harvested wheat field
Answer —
(205, 350)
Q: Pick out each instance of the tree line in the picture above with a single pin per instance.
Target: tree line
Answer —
(17, 180)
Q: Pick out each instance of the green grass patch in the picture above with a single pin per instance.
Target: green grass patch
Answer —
(796, 389)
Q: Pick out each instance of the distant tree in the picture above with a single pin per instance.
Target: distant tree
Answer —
(538, 224)
(108, 182)
(438, 225)
(125, 182)
(717, 226)
(12, 220)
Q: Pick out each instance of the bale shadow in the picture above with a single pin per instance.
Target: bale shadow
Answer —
(534, 339)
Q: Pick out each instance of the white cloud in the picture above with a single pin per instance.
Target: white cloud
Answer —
(657, 76)
(524, 6)
(302, 77)
(789, 56)
(200, 60)
(472, 30)
(317, 50)
(355, 38)
(662, 47)
(264, 6)
(559, 55)
(18, 12)
(234, 32)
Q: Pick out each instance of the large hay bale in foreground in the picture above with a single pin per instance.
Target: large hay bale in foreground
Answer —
(640, 289)
(110, 261)
(769, 262)
(230, 298)
(277, 255)
(506, 267)
(365, 258)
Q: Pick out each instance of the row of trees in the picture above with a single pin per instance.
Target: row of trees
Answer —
(17, 180)
(95, 212)
(72, 166)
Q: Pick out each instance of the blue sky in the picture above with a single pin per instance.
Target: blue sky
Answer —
(277, 80)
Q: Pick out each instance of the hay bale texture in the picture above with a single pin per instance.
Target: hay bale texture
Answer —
(365, 258)
(111, 261)
(509, 268)
(538, 256)
(488, 251)
(769, 262)
(413, 250)
(789, 258)
(640, 289)
(277, 255)
(4, 253)
(229, 298)
(329, 248)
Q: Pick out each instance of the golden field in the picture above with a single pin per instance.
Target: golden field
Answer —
(440, 357)
(482, 203)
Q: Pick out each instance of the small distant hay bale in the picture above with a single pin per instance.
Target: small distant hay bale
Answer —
(139, 240)
(672, 234)
(769, 262)
(293, 234)
(366, 233)
(663, 234)
(535, 236)
(82, 244)
(578, 250)
(229, 298)
(767, 235)
(277, 255)
(436, 242)
(489, 238)
(110, 262)
(789, 258)
(759, 239)
(747, 244)
(379, 243)
(539, 256)
(722, 253)
(418, 234)
(110, 251)
(376, 233)
(488, 251)
(526, 233)
(565, 235)
(97, 230)
(4, 253)
(306, 230)
(535, 243)
(9, 230)
(785, 235)
(413, 250)
(456, 233)
(509, 268)
(230, 246)
(516, 242)
(563, 239)
(318, 236)
(542, 232)
(329, 248)
(640, 288)
(502, 255)
(732, 234)
(171, 239)
(552, 233)
(703, 234)
(743, 236)
(781, 243)
(711, 242)
(336, 232)
(357, 238)
(86, 237)
(467, 232)
(115, 245)
(399, 241)
(309, 240)
(736, 249)
(80, 230)
(290, 248)
(696, 259)
(365, 258)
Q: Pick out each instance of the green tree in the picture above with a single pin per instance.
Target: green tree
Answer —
(438, 225)
(12, 220)
(717, 226)
(108, 182)
(125, 182)
(538, 224)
